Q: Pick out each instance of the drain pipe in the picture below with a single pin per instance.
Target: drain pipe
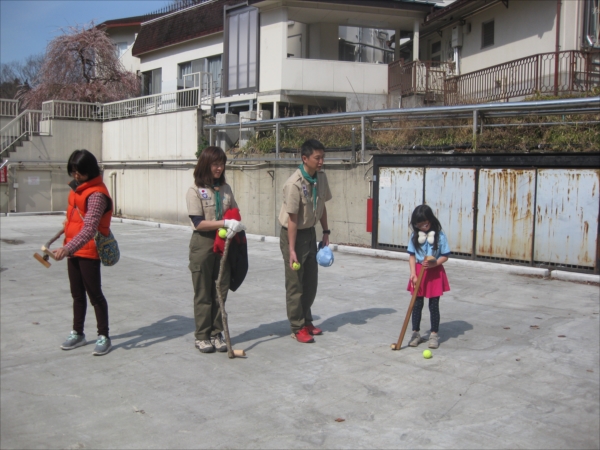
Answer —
(113, 189)
(557, 48)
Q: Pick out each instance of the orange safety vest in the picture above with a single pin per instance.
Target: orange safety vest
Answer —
(78, 204)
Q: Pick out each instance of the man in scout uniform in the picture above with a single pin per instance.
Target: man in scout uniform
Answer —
(304, 197)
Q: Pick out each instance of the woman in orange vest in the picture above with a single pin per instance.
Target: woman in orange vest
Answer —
(89, 210)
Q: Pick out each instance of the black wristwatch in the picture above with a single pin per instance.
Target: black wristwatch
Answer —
(326, 231)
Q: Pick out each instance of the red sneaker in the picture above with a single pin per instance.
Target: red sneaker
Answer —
(313, 330)
(303, 336)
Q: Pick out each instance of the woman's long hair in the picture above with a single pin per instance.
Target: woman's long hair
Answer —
(202, 173)
(423, 213)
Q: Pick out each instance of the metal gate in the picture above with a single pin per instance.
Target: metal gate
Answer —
(495, 207)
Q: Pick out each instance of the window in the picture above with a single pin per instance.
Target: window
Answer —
(212, 65)
(487, 34)
(241, 51)
(591, 24)
(152, 82)
(120, 48)
(436, 51)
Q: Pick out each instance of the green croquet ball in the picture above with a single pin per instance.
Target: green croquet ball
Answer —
(426, 354)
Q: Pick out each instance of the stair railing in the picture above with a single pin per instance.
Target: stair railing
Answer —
(24, 125)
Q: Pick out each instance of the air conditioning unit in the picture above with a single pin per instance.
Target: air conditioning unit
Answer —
(457, 36)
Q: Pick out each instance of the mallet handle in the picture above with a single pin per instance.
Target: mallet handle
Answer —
(221, 302)
(54, 238)
(411, 305)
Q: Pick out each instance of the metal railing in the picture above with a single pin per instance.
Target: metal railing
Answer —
(589, 105)
(203, 80)
(24, 125)
(62, 109)
(139, 106)
(9, 108)
(552, 73)
(419, 77)
(152, 104)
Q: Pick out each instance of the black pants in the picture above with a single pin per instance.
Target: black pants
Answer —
(84, 276)
(434, 313)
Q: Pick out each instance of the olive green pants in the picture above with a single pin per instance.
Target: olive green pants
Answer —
(204, 266)
(300, 285)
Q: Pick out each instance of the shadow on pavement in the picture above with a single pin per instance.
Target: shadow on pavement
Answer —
(454, 329)
(275, 330)
(165, 329)
(359, 317)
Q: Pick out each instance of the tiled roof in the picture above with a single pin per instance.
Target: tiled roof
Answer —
(191, 23)
(128, 21)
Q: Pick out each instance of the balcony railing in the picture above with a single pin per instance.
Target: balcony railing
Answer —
(419, 77)
(549, 73)
(63, 109)
(139, 106)
(9, 108)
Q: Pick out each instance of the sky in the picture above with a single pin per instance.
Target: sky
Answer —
(26, 26)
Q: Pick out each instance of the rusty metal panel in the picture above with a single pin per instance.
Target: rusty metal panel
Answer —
(400, 192)
(505, 213)
(566, 227)
(451, 195)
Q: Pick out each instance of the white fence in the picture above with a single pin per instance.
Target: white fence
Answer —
(200, 95)
(61, 109)
(9, 108)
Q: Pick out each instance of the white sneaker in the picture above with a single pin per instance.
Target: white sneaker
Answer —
(434, 340)
(218, 342)
(205, 346)
(415, 339)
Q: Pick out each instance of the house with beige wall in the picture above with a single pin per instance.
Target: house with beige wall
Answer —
(473, 51)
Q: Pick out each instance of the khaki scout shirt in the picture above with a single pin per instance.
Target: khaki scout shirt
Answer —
(201, 201)
(297, 199)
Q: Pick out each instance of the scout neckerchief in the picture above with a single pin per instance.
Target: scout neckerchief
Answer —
(313, 183)
(218, 206)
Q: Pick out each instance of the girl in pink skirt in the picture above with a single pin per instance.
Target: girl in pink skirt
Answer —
(427, 239)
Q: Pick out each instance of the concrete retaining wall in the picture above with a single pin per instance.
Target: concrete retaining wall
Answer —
(38, 166)
(158, 194)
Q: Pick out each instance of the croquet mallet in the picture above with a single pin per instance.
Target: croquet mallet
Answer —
(398, 345)
(230, 352)
(46, 250)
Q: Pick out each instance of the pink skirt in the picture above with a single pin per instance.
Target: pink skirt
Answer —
(433, 284)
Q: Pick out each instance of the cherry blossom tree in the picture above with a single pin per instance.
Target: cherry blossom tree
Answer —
(81, 65)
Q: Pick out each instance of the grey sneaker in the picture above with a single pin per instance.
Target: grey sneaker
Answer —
(103, 346)
(73, 341)
(205, 346)
(434, 340)
(218, 342)
(415, 339)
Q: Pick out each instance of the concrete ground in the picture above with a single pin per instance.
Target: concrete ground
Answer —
(518, 364)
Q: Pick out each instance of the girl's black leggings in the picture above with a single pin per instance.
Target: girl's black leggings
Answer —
(434, 313)
(84, 275)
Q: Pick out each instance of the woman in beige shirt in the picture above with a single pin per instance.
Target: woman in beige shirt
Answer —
(207, 200)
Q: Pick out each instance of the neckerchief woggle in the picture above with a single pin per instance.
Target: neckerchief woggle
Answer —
(313, 183)
(218, 206)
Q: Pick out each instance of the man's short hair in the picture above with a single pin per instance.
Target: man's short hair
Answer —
(310, 146)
